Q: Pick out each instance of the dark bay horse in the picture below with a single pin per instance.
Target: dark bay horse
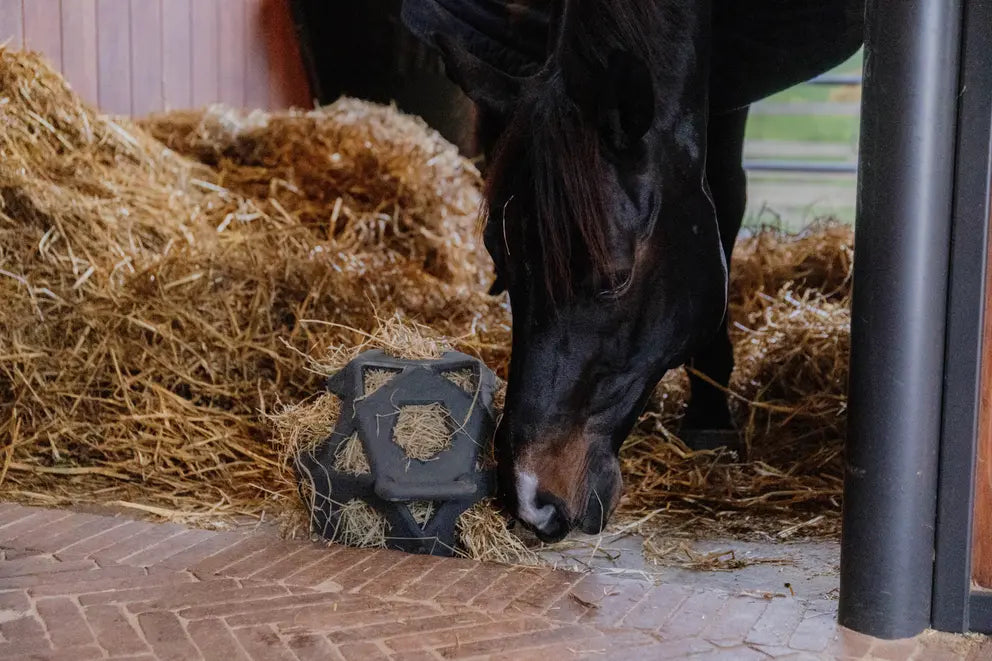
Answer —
(615, 191)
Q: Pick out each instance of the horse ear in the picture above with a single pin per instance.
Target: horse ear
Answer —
(618, 93)
(481, 82)
(629, 110)
(618, 97)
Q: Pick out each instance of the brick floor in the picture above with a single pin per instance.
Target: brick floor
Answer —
(84, 586)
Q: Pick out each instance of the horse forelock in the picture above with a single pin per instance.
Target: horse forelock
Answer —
(542, 185)
(559, 200)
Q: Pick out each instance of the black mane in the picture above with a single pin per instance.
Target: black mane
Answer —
(554, 140)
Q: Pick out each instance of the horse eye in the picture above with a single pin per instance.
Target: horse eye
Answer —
(617, 284)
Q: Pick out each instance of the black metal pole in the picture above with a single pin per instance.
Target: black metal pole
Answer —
(898, 316)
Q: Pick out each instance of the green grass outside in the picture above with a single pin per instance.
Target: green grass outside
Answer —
(839, 129)
(790, 202)
(854, 64)
(812, 158)
(803, 94)
(819, 93)
(808, 128)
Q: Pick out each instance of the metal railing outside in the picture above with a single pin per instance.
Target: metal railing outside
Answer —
(811, 167)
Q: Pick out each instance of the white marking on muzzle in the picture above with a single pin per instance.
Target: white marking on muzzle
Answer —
(539, 517)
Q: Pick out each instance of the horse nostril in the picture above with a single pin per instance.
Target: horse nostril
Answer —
(555, 527)
(545, 514)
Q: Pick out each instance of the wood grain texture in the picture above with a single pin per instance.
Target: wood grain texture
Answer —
(43, 29)
(982, 527)
(288, 86)
(256, 56)
(114, 55)
(206, 52)
(79, 48)
(146, 57)
(232, 34)
(177, 54)
(12, 23)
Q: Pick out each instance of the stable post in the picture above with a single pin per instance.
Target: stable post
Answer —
(905, 192)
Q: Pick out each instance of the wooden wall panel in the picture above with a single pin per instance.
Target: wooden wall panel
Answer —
(231, 37)
(982, 526)
(79, 48)
(113, 18)
(146, 57)
(143, 56)
(287, 77)
(206, 52)
(177, 55)
(12, 23)
(43, 29)
(256, 57)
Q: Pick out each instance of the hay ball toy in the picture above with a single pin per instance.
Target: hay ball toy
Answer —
(409, 453)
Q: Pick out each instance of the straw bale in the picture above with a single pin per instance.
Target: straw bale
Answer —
(818, 259)
(407, 195)
(788, 393)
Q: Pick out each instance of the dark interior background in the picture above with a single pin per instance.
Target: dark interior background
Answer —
(361, 48)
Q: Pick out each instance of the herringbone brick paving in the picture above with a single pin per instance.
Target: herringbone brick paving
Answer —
(83, 586)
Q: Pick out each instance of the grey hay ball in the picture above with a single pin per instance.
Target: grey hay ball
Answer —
(412, 442)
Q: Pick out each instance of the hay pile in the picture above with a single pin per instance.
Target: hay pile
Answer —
(155, 308)
(168, 287)
(790, 302)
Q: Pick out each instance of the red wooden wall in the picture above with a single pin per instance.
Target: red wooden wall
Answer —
(141, 56)
(982, 527)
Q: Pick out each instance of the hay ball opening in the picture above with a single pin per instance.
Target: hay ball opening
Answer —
(350, 456)
(359, 523)
(377, 378)
(464, 378)
(423, 431)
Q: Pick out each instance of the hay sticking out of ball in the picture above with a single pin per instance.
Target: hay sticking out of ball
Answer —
(350, 457)
(422, 511)
(464, 379)
(360, 525)
(302, 426)
(423, 430)
(375, 379)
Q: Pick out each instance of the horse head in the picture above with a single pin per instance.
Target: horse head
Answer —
(603, 232)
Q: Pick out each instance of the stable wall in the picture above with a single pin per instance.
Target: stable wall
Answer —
(141, 56)
(982, 551)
